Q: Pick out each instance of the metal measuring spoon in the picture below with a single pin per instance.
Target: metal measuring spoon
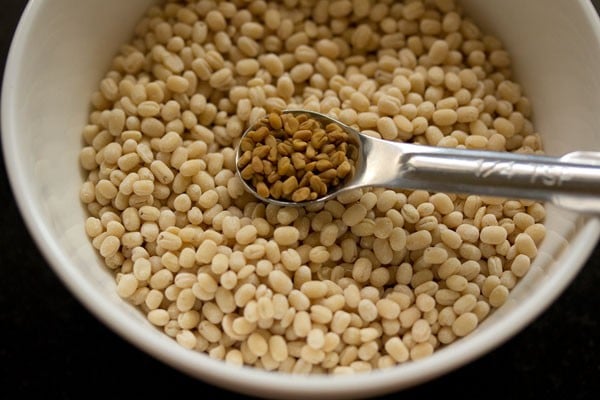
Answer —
(571, 181)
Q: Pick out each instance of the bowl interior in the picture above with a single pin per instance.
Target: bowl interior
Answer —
(63, 48)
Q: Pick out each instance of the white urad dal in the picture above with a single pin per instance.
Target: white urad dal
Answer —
(370, 280)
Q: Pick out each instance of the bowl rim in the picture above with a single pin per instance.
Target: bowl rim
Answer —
(251, 380)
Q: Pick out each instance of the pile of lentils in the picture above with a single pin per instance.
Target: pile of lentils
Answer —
(296, 158)
(369, 280)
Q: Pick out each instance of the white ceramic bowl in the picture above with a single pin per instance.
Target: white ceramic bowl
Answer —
(63, 47)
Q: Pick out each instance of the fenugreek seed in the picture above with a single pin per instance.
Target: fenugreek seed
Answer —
(275, 121)
(302, 139)
(257, 165)
(262, 189)
(301, 194)
(289, 185)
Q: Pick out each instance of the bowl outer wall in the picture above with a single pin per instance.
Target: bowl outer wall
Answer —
(27, 166)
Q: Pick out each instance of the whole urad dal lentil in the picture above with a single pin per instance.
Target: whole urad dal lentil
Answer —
(369, 280)
(296, 158)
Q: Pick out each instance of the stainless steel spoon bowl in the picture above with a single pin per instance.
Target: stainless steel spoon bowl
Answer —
(571, 181)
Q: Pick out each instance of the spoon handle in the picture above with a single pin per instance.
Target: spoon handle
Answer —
(572, 181)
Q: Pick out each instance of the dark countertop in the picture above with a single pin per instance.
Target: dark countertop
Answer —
(50, 344)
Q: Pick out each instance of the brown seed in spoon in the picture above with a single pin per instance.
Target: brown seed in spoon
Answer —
(296, 158)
